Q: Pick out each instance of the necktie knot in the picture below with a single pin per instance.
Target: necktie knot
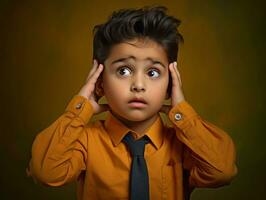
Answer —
(136, 147)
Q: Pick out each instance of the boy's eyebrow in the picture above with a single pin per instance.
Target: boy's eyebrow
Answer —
(134, 58)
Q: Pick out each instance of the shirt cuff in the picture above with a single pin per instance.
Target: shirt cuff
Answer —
(182, 115)
(81, 107)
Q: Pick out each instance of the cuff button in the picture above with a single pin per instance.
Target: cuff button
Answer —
(178, 116)
(78, 106)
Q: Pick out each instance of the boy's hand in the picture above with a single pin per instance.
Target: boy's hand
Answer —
(88, 90)
(177, 93)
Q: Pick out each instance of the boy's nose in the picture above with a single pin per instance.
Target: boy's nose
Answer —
(137, 88)
(137, 84)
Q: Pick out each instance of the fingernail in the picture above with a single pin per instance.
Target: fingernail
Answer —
(173, 64)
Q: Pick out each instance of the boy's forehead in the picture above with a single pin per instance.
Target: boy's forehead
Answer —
(137, 50)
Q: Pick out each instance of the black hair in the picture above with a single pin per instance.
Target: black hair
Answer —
(147, 22)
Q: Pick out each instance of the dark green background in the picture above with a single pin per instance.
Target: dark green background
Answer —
(46, 49)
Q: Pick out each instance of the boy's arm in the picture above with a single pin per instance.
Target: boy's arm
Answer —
(59, 152)
(209, 153)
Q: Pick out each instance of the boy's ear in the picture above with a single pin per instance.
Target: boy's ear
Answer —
(99, 87)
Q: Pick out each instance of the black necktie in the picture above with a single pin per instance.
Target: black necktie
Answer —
(139, 179)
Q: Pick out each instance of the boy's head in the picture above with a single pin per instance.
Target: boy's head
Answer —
(149, 39)
(127, 24)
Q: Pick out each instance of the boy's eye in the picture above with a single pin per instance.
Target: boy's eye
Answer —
(124, 71)
(154, 73)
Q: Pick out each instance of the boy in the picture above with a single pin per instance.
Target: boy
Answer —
(132, 154)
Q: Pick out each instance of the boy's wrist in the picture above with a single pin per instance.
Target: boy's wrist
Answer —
(181, 114)
(81, 107)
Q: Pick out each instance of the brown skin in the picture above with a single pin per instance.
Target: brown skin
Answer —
(140, 78)
(134, 77)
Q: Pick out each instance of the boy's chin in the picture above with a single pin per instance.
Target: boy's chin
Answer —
(134, 116)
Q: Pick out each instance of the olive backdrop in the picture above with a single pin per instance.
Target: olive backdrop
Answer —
(46, 49)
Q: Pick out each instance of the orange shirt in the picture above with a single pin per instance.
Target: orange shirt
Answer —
(193, 153)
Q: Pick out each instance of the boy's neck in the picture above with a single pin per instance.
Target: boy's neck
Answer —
(138, 127)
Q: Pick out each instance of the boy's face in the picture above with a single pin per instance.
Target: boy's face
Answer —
(136, 69)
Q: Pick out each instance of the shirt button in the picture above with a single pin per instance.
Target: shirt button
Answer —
(78, 106)
(178, 116)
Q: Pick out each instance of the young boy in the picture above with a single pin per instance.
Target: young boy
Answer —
(132, 154)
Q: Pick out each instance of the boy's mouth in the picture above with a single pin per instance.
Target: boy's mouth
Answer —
(138, 100)
(137, 103)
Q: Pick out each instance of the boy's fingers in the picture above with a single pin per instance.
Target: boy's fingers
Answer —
(93, 69)
(178, 74)
(95, 76)
(173, 74)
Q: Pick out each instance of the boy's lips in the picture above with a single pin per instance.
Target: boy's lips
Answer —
(138, 100)
(137, 103)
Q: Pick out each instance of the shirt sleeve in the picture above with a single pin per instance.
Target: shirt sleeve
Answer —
(59, 152)
(209, 152)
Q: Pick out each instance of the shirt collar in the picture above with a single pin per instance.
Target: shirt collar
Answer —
(117, 130)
